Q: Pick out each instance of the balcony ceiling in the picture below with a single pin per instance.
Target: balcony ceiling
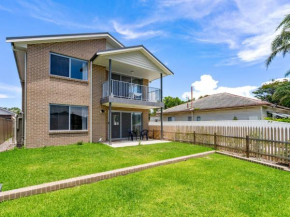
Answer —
(133, 61)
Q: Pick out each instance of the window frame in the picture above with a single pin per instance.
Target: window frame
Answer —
(70, 58)
(69, 117)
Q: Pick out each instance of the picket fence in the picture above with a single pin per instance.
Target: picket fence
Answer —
(260, 139)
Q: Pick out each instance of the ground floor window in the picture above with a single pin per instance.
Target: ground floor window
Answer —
(66, 117)
(198, 118)
(189, 118)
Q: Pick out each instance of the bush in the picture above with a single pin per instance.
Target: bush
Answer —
(287, 120)
(80, 143)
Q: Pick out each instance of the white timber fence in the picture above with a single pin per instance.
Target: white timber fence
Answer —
(261, 139)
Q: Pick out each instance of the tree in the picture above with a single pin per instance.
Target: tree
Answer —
(15, 110)
(281, 44)
(170, 101)
(274, 92)
(282, 94)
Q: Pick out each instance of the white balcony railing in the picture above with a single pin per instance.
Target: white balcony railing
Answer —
(132, 91)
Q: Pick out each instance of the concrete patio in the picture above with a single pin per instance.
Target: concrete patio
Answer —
(126, 143)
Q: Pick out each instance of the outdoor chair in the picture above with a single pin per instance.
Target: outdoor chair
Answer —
(144, 133)
(131, 135)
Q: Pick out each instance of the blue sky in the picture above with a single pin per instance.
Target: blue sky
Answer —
(214, 45)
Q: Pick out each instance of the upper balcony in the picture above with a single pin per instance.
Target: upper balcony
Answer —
(132, 94)
(131, 61)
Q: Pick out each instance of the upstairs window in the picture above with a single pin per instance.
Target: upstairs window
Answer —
(68, 67)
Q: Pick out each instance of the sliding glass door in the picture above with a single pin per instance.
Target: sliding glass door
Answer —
(126, 123)
(122, 122)
(137, 123)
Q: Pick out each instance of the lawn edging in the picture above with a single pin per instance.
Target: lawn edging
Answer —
(87, 179)
(278, 167)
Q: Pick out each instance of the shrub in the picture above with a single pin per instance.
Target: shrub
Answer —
(80, 143)
(287, 120)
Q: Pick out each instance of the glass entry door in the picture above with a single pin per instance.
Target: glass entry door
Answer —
(116, 125)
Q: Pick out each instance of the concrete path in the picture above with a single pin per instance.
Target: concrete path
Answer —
(7, 145)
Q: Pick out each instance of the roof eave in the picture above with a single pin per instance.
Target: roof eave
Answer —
(63, 36)
(132, 48)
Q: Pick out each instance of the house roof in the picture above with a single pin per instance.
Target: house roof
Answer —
(24, 40)
(135, 57)
(218, 101)
(6, 112)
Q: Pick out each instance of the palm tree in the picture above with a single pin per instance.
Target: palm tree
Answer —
(281, 44)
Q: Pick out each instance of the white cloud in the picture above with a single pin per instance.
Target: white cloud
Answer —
(277, 79)
(2, 8)
(250, 28)
(9, 91)
(207, 86)
(4, 96)
(130, 32)
(10, 88)
(56, 13)
(247, 26)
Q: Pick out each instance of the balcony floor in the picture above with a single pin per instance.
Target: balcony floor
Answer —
(130, 103)
(126, 143)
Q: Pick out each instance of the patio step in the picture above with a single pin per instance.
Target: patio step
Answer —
(68, 183)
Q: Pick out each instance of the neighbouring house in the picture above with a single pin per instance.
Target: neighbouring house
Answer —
(224, 106)
(84, 87)
(6, 114)
(154, 118)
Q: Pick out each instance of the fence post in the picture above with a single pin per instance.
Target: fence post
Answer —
(194, 137)
(215, 141)
(247, 146)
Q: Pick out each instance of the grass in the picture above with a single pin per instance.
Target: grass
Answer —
(215, 185)
(26, 167)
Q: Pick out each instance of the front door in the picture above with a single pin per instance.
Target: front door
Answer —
(116, 125)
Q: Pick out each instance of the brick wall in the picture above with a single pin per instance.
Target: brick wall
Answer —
(43, 89)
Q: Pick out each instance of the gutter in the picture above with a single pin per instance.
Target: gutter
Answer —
(91, 106)
(25, 88)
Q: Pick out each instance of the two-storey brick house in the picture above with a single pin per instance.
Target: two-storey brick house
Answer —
(84, 87)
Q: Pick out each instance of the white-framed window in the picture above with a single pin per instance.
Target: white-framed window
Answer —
(189, 118)
(66, 117)
(198, 118)
(65, 66)
(171, 118)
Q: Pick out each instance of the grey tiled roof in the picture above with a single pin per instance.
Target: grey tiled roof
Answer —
(216, 101)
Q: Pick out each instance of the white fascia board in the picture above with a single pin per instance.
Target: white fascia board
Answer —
(62, 38)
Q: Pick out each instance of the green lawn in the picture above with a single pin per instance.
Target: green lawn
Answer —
(215, 185)
(25, 167)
